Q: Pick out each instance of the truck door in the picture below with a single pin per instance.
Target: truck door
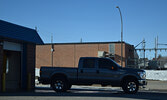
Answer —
(107, 73)
(87, 71)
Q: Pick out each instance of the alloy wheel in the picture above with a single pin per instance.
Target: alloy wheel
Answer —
(131, 86)
(59, 85)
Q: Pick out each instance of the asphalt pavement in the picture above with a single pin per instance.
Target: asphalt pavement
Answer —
(155, 90)
(157, 85)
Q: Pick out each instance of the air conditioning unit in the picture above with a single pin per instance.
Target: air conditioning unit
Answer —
(101, 53)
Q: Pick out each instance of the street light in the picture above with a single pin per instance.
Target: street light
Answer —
(121, 35)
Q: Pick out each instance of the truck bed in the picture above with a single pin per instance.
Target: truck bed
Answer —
(48, 72)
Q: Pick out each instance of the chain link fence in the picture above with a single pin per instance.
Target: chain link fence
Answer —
(147, 64)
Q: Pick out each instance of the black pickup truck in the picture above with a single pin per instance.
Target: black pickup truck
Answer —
(93, 70)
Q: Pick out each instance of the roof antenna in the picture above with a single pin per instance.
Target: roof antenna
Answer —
(81, 40)
(36, 28)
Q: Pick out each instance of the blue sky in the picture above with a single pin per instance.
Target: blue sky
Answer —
(91, 20)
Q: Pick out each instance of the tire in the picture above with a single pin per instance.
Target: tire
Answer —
(130, 86)
(59, 85)
(103, 85)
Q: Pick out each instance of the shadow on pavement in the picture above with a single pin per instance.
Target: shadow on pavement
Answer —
(45, 92)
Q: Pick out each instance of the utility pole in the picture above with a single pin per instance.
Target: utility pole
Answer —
(121, 35)
(81, 40)
(144, 45)
(156, 47)
(52, 50)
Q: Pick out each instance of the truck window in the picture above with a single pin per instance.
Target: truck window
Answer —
(89, 63)
(105, 63)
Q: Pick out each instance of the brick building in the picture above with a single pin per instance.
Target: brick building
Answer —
(68, 54)
(17, 57)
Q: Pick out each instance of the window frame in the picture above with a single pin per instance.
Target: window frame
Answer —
(109, 68)
(95, 61)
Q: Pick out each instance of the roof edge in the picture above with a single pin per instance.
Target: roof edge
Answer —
(17, 25)
(85, 43)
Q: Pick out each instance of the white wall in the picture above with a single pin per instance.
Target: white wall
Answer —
(156, 75)
(37, 72)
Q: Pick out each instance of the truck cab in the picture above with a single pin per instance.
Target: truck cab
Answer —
(100, 71)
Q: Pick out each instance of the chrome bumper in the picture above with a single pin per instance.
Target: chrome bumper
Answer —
(142, 82)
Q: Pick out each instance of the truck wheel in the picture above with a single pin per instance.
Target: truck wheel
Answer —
(59, 85)
(130, 86)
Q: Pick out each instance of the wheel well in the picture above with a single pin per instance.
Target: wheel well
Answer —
(129, 77)
(59, 75)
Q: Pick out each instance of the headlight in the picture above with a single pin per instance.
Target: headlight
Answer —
(142, 75)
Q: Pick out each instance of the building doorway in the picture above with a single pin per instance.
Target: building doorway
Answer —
(12, 70)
